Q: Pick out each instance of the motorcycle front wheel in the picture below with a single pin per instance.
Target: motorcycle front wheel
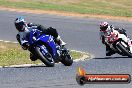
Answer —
(123, 49)
(46, 59)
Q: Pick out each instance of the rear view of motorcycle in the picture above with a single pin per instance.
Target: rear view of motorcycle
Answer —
(47, 51)
(119, 43)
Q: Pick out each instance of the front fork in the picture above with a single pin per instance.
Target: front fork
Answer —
(127, 40)
(130, 45)
(44, 49)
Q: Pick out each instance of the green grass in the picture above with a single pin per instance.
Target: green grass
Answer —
(99, 7)
(13, 54)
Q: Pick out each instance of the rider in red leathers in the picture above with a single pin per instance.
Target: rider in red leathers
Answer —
(106, 30)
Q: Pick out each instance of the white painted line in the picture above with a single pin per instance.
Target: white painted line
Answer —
(8, 41)
(84, 57)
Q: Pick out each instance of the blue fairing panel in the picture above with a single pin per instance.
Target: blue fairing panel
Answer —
(49, 40)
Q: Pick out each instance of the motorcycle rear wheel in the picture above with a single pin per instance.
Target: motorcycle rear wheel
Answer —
(66, 58)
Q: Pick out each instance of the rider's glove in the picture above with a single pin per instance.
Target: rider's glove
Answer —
(123, 30)
(25, 46)
(30, 24)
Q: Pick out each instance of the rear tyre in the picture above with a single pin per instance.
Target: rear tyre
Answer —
(123, 49)
(66, 58)
(46, 59)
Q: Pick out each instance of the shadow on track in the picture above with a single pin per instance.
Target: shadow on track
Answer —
(110, 57)
(37, 66)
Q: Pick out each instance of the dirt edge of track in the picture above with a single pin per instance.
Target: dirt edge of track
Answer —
(62, 13)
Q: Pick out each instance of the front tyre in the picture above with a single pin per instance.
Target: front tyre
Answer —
(124, 50)
(46, 59)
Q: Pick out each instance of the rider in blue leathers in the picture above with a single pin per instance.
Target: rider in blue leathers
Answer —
(24, 31)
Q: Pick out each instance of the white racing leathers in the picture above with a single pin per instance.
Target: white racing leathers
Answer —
(110, 30)
(25, 35)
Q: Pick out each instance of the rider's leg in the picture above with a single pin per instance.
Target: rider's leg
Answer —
(18, 38)
(60, 41)
(54, 33)
(109, 51)
(32, 56)
(123, 31)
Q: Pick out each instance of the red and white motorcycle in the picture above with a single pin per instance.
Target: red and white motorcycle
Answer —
(119, 43)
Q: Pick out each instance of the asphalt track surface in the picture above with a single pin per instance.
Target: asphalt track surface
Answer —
(80, 34)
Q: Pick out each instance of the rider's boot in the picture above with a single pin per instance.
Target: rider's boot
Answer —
(109, 51)
(33, 57)
(60, 42)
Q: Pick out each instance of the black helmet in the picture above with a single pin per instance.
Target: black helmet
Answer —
(103, 26)
(20, 23)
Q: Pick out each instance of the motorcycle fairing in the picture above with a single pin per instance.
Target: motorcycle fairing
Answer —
(48, 39)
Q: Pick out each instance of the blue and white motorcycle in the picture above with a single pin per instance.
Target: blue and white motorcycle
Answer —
(47, 51)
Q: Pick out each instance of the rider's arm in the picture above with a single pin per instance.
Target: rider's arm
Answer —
(102, 37)
(37, 26)
(23, 41)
